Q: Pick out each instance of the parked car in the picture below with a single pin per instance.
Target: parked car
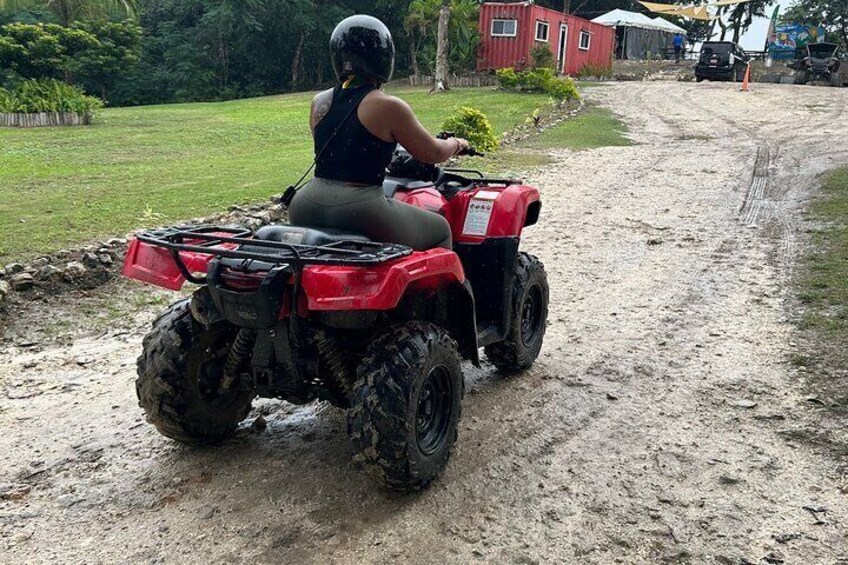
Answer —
(817, 62)
(721, 60)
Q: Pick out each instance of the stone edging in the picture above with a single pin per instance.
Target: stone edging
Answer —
(44, 119)
(92, 265)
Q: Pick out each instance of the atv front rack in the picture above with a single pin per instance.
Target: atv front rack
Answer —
(238, 243)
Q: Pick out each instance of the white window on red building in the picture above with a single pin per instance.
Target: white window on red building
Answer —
(504, 28)
(585, 40)
(542, 31)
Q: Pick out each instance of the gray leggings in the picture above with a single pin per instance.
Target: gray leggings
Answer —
(323, 203)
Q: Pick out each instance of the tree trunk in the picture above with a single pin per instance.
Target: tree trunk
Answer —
(413, 55)
(442, 48)
(298, 55)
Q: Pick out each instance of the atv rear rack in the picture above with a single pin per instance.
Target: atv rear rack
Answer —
(230, 243)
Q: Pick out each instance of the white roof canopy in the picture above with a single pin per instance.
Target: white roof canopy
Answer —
(667, 25)
(633, 19)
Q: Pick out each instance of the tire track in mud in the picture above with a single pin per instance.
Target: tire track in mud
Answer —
(755, 198)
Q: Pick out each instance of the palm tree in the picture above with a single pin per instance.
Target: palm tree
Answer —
(68, 11)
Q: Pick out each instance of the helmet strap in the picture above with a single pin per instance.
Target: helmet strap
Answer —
(353, 81)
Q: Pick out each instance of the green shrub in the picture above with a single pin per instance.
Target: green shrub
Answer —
(474, 126)
(563, 90)
(507, 78)
(538, 80)
(542, 57)
(46, 95)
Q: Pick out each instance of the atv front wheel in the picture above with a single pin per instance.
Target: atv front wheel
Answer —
(179, 376)
(406, 406)
(530, 295)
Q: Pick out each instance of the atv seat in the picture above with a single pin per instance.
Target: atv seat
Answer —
(307, 236)
(392, 185)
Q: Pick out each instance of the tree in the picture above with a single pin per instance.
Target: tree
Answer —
(44, 50)
(68, 11)
(94, 54)
(421, 25)
(442, 47)
(740, 17)
(118, 50)
(833, 14)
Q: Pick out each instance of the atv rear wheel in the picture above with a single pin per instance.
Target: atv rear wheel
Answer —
(179, 376)
(407, 405)
(530, 295)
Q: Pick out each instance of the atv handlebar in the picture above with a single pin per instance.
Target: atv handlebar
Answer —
(471, 152)
(468, 151)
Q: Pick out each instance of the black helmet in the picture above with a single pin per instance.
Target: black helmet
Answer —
(362, 45)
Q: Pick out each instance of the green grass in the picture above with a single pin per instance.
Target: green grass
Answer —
(824, 282)
(821, 284)
(158, 164)
(595, 127)
(154, 165)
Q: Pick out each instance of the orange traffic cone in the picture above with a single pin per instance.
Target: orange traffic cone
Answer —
(746, 79)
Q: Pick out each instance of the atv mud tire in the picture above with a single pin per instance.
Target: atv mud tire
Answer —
(530, 295)
(407, 405)
(179, 372)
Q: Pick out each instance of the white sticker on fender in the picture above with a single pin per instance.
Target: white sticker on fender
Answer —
(477, 218)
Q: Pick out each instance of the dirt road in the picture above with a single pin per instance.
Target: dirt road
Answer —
(663, 422)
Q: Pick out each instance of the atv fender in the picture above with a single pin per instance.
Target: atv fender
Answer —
(155, 265)
(344, 288)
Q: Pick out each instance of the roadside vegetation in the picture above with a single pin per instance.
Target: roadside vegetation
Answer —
(591, 128)
(822, 290)
(823, 284)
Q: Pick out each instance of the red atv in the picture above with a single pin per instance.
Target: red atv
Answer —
(305, 314)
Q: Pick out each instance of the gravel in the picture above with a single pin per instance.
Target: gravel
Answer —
(546, 469)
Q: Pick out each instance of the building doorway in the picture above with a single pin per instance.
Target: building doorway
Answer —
(563, 41)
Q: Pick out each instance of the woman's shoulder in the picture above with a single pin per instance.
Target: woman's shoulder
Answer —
(386, 102)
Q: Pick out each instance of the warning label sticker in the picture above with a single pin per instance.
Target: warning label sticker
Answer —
(477, 219)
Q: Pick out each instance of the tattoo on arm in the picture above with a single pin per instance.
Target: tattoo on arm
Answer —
(321, 107)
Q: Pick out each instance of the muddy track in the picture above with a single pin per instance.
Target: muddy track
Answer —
(662, 423)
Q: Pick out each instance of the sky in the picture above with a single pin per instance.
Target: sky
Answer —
(755, 38)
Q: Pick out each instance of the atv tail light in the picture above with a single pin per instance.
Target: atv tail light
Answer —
(238, 280)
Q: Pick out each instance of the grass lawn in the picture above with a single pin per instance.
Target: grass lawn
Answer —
(160, 164)
(822, 288)
(156, 165)
(824, 282)
(594, 127)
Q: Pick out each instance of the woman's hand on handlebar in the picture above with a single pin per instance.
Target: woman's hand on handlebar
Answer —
(462, 146)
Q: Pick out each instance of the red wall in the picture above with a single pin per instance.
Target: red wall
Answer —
(501, 52)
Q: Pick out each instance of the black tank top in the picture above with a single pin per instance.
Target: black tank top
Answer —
(355, 154)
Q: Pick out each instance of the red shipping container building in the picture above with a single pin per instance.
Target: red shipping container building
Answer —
(509, 31)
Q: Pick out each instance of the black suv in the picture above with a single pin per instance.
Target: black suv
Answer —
(721, 60)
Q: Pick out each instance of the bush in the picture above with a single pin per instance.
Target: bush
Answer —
(590, 70)
(507, 78)
(46, 95)
(538, 80)
(542, 57)
(474, 126)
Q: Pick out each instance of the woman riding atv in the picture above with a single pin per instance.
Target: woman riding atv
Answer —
(356, 128)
